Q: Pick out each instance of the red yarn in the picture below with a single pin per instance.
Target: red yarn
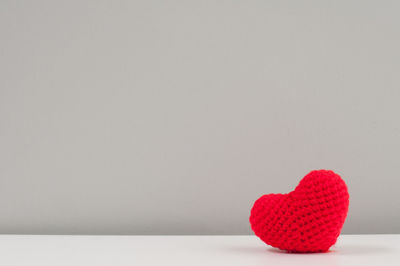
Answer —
(308, 219)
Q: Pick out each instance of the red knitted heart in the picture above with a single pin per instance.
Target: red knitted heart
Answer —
(308, 219)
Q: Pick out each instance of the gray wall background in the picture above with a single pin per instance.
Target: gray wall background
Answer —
(172, 117)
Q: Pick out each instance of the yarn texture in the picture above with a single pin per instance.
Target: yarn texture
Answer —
(308, 219)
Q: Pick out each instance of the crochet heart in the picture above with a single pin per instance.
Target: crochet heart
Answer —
(308, 219)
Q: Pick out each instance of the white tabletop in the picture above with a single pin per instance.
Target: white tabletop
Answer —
(188, 250)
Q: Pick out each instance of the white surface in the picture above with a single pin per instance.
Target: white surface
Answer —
(188, 250)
